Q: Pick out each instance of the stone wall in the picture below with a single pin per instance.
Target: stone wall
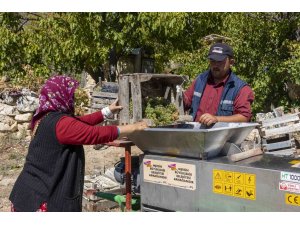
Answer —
(16, 111)
(18, 106)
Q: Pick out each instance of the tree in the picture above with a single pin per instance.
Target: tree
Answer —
(36, 45)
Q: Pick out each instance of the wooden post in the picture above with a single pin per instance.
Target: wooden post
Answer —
(83, 79)
(124, 99)
(179, 101)
(244, 155)
(136, 97)
(138, 62)
(173, 94)
(167, 92)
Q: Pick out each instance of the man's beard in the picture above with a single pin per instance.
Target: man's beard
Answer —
(216, 72)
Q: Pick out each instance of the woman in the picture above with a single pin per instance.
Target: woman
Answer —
(53, 174)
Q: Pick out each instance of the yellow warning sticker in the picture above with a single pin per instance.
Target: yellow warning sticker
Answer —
(250, 179)
(218, 187)
(239, 191)
(292, 199)
(228, 177)
(236, 184)
(293, 162)
(228, 189)
(250, 193)
(218, 175)
(239, 178)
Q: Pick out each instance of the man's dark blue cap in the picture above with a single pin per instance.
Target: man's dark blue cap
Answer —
(219, 51)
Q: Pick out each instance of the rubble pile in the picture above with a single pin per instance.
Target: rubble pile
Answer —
(279, 132)
(104, 183)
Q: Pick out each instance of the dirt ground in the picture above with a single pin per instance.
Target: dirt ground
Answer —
(13, 153)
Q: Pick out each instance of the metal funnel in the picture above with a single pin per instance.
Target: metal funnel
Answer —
(191, 139)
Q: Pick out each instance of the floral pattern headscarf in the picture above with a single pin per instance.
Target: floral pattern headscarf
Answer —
(57, 95)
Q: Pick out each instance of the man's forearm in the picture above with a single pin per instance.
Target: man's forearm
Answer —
(233, 118)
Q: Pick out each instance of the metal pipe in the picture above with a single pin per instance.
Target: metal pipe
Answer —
(128, 176)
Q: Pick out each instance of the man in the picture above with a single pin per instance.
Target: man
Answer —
(218, 95)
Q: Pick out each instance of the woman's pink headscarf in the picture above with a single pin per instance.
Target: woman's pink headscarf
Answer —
(57, 95)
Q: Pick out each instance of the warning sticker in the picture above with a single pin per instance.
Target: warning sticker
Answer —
(228, 189)
(218, 187)
(250, 179)
(293, 162)
(289, 186)
(241, 185)
(170, 173)
(292, 199)
(239, 191)
(239, 178)
(218, 175)
(250, 193)
(228, 177)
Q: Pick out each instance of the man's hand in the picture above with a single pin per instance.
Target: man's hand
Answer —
(114, 108)
(208, 119)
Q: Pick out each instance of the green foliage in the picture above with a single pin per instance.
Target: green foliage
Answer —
(81, 101)
(290, 68)
(160, 110)
(35, 45)
(266, 54)
(11, 51)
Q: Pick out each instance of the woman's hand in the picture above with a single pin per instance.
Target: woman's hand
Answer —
(129, 129)
(140, 125)
(114, 107)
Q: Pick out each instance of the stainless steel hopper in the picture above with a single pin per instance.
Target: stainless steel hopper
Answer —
(191, 139)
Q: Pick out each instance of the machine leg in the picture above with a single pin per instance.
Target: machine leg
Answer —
(128, 177)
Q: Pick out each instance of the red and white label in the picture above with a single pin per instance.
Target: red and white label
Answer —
(289, 186)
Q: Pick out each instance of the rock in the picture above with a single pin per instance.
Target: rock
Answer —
(90, 82)
(7, 124)
(28, 138)
(278, 111)
(254, 135)
(4, 127)
(27, 92)
(27, 104)
(26, 117)
(100, 147)
(23, 126)
(2, 135)
(10, 97)
(14, 127)
(8, 110)
(264, 116)
(7, 181)
(1, 177)
(28, 132)
(5, 78)
(18, 135)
